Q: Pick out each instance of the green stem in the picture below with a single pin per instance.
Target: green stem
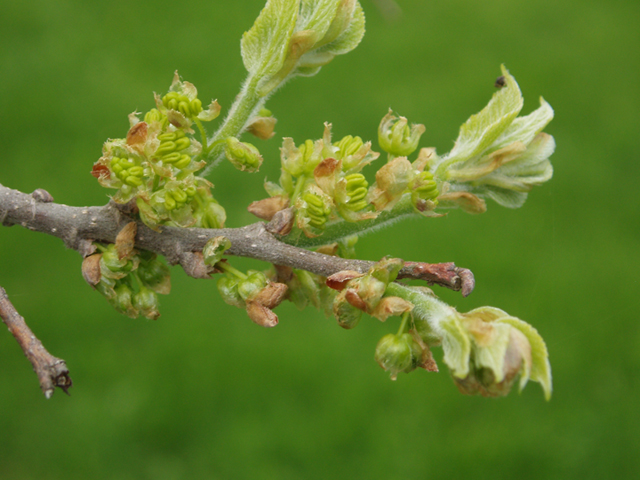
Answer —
(225, 267)
(300, 184)
(404, 326)
(203, 137)
(245, 106)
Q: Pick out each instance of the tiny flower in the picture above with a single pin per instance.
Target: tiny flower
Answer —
(346, 314)
(396, 137)
(255, 294)
(146, 302)
(392, 181)
(354, 153)
(181, 105)
(242, 155)
(313, 209)
(398, 353)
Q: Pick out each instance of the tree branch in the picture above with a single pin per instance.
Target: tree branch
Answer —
(78, 227)
(52, 372)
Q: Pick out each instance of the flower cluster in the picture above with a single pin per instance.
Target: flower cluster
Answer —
(155, 164)
(323, 183)
(129, 279)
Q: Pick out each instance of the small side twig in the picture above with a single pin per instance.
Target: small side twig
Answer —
(52, 372)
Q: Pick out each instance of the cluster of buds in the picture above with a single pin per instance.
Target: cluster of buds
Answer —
(365, 293)
(130, 280)
(253, 292)
(485, 349)
(322, 181)
(155, 164)
(400, 178)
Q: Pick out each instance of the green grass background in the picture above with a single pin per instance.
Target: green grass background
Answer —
(202, 393)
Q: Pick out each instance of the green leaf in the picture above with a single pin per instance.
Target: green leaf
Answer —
(540, 367)
(524, 129)
(351, 37)
(483, 128)
(532, 167)
(503, 197)
(492, 356)
(456, 346)
(264, 47)
(316, 15)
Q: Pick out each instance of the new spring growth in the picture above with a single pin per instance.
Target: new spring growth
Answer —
(299, 37)
(396, 137)
(485, 349)
(498, 154)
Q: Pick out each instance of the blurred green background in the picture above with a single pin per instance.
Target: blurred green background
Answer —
(204, 393)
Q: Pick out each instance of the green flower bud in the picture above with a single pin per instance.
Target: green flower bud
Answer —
(146, 302)
(155, 275)
(250, 287)
(106, 288)
(206, 210)
(154, 115)
(122, 302)
(114, 267)
(242, 155)
(398, 353)
(182, 103)
(317, 211)
(357, 190)
(396, 138)
(228, 288)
